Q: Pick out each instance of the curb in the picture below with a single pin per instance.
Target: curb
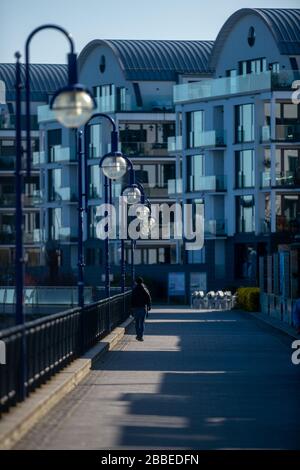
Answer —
(19, 420)
(275, 323)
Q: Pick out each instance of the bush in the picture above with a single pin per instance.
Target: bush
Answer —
(248, 298)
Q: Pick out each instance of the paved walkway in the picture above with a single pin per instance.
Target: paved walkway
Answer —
(200, 380)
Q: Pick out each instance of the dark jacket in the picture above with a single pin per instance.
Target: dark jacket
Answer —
(140, 297)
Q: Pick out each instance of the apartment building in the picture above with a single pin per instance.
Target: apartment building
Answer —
(45, 79)
(132, 81)
(237, 147)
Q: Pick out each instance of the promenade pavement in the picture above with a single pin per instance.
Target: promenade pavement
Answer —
(200, 380)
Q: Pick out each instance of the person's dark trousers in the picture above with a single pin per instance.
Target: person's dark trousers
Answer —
(139, 316)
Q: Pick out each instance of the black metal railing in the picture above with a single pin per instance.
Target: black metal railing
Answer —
(53, 342)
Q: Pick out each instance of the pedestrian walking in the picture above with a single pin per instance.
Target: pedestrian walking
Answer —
(141, 304)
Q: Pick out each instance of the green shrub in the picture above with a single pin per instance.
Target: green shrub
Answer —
(248, 298)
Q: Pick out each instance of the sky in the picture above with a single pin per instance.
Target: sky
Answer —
(112, 19)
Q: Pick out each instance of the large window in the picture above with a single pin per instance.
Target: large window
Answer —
(55, 223)
(195, 127)
(288, 213)
(195, 169)
(244, 168)
(54, 140)
(244, 123)
(245, 213)
(95, 141)
(252, 66)
(145, 139)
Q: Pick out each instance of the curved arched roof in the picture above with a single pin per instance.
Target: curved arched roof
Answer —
(155, 60)
(284, 24)
(44, 79)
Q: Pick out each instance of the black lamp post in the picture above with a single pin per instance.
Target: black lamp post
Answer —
(72, 105)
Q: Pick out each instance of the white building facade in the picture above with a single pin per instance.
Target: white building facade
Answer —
(240, 152)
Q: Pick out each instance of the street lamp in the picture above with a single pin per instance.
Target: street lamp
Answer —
(133, 194)
(114, 166)
(78, 107)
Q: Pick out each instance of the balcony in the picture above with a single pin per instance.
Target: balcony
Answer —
(175, 143)
(283, 133)
(8, 122)
(95, 192)
(36, 236)
(7, 234)
(227, 86)
(213, 183)
(283, 179)
(64, 234)
(58, 154)
(8, 200)
(174, 187)
(45, 114)
(287, 224)
(113, 104)
(214, 138)
(137, 149)
(160, 191)
(266, 179)
(215, 228)
(38, 158)
(63, 194)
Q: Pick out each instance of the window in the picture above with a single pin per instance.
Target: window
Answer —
(54, 139)
(95, 141)
(195, 127)
(252, 66)
(274, 67)
(54, 185)
(244, 168)
(245, 213)
(195, 169)
(244, 123)
(105, 96)
(95, 182)
(196, 256)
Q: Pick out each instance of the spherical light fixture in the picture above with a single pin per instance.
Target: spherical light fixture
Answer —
(142, 211)
(73, 106)
(114, 166)
(132, 194)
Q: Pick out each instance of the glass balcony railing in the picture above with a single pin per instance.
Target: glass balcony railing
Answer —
(156, 191)
(283, 133)
(225, 86)
(215, 227)
(266, 179)
(36, 236)
(33, 199)
(175, 187)
(113, 104)
(45, 114)
(95, 192)
(38, 158)
(63, 234)
(57, 153)
(175, 143)
(144, 149)
(8, 121)
(214, 138)
(221, 87)
(67, 194)
(8, 235)
(208, 183)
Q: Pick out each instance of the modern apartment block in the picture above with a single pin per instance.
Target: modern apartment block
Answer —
(45, 79)
(238, 146)
(132, 81)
